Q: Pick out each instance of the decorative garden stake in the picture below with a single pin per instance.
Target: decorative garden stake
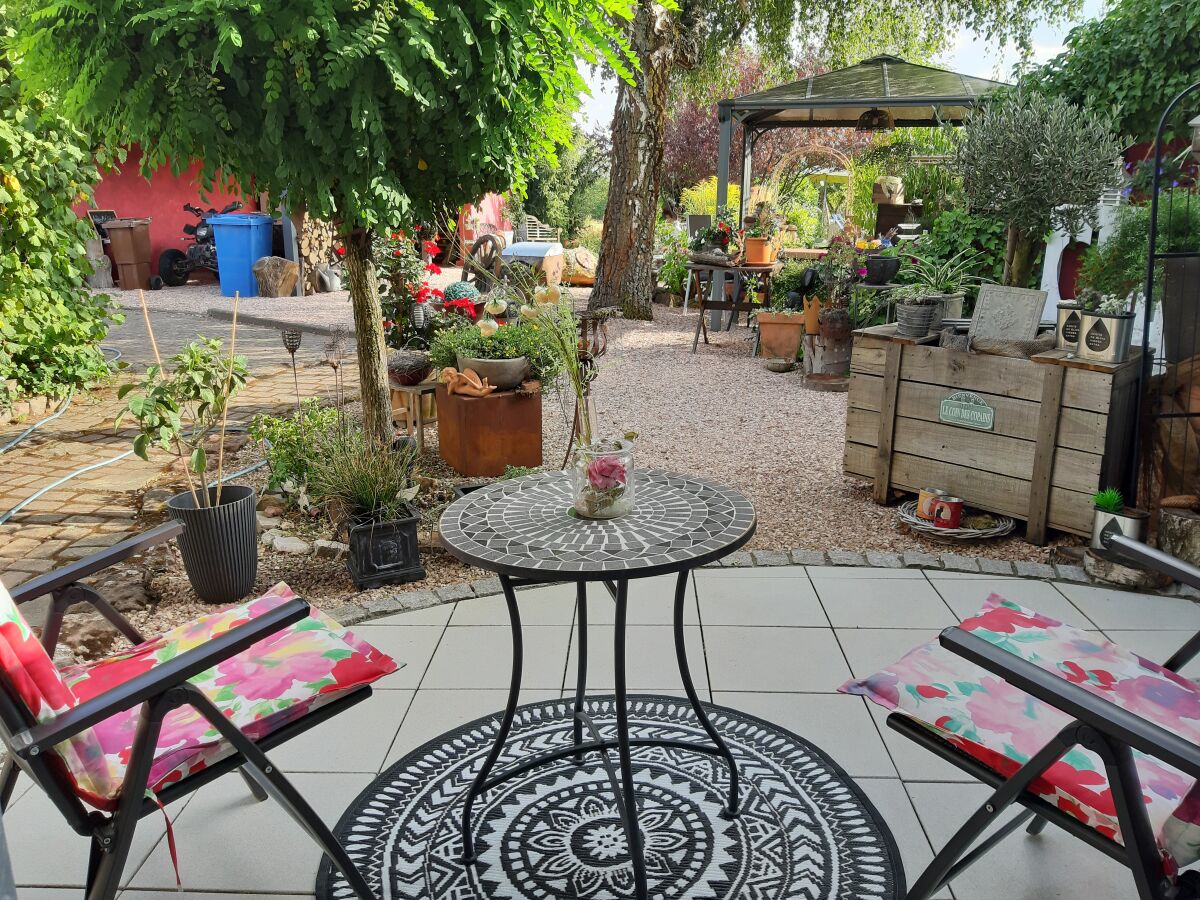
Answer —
(291, 343)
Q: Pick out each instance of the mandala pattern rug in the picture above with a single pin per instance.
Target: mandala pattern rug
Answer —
(805, 830)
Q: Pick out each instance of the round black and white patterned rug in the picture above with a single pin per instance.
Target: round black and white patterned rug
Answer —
(805, 830)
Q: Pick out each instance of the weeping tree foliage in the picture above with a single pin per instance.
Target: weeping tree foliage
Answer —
(1036, 163)
(673, 37)
(368, 113)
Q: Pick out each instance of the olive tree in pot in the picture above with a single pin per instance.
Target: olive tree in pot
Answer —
(367, 487)
(1039, 163)
(176, 410)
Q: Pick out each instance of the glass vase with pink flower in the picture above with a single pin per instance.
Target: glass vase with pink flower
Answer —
(602, 478)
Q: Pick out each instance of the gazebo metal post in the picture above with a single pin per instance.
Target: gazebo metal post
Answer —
(725, 119)
(749, 138)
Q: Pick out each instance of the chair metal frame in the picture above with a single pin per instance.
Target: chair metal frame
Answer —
(1111, 732)
(157, 692)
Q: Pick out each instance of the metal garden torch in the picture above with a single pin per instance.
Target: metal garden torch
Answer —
(291, 343)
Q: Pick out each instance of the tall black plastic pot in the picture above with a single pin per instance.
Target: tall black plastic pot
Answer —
(219, 544)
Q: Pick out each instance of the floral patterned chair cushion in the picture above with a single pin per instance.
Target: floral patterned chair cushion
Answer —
(1003, 727)
(274, 682)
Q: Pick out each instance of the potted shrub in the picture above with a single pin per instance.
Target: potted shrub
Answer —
(1111, 513)
(366, 487)
(1105, 326)
(714, 238)
(177, 410)
(505, 356)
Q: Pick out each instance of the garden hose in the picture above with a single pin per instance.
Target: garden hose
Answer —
(233, 429)
(58, 412)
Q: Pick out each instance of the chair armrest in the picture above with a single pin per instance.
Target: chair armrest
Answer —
(1102, 715)
(97, 562)
(157, 681)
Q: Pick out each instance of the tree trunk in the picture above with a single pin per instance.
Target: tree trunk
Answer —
(625, 274)
(1019, 254)
(368, 332)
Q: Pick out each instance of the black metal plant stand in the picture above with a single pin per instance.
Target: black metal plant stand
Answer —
(521, 529)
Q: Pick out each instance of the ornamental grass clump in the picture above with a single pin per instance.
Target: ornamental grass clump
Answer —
(359, 479)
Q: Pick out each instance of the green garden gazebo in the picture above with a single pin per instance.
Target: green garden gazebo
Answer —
(879, 93)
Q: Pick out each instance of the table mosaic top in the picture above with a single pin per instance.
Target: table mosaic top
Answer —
(527, 528)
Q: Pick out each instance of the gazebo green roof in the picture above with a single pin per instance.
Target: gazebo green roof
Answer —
(912, 94)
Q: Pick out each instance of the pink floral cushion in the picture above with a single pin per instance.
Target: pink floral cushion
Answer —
(276, 681)
(1003, 727)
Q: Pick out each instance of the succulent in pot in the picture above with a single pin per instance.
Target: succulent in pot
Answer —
(1111, 516)
(177, 410)
(916, 307)
(505, 356)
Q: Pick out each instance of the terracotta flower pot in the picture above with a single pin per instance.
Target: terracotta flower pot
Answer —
(757, 251)
(780, 334)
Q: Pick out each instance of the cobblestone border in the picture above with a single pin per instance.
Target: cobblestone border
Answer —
(406, 601)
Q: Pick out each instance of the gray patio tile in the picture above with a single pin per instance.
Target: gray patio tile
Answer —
(966, 595)
(228, 841)
(651, 601)
(412, 645)
(870, 649)
(819, 572)
(45, 852)
(913, 761)
(838, 724)
(354, 741)
(891, 801)
(480, 656)
(754, 600)
(1156, 646)
(784, 572)
(550, 605)
(430, 615)
(1110, 608)
(434, 712)
(883, 603)
(650, 662)
(135, 894)
(774, 659)
(1021, 867)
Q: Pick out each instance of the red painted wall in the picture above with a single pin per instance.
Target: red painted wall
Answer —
(160, 198)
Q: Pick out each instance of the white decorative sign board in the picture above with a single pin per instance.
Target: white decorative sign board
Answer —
(1007, 313)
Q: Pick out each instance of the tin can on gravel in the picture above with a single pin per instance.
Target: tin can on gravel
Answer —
(926, 501)
(947, 513)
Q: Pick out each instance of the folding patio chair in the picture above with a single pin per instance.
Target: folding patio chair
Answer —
(1081, 733)
(115, 740)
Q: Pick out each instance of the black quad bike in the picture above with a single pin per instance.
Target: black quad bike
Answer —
(174, 266)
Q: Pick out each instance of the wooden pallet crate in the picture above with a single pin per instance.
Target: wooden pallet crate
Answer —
(1060, 429)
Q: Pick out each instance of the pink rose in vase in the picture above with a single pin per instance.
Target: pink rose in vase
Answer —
(605, 472)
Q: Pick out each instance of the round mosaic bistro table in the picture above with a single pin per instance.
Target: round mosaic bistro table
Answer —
(525, 530)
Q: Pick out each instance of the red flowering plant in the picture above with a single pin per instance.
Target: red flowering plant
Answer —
(719, 235)
(405, 292)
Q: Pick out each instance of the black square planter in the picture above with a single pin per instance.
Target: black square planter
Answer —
(385, 552)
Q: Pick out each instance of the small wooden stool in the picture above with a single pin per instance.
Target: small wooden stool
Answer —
(413, 397)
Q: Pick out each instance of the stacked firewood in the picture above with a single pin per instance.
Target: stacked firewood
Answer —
(317, 242)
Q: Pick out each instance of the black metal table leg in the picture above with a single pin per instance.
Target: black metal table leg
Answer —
(581, 673)
(514, 693)
(731, 810)
(633, 832)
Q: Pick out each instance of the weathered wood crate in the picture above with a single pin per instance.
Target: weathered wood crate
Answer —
(1043, 435)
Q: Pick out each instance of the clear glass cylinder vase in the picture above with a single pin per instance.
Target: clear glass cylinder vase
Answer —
(602, 478)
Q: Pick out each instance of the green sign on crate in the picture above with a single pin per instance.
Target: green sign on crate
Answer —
(968, 410)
